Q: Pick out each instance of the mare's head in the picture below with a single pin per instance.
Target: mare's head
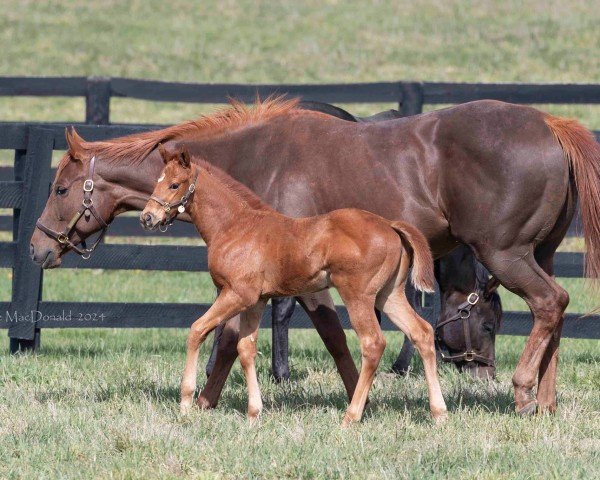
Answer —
(80, 204)
(460, 276)
(173, 190)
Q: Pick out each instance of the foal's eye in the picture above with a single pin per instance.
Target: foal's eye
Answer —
(174, 186)
(61, 191)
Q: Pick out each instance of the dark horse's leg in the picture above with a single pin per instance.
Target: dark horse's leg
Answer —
(215, 347)
(402, 363)
(281, 314)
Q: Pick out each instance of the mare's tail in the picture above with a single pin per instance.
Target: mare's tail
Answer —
(583, 153)
(416, 244)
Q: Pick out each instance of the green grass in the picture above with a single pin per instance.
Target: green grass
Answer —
(103, 404)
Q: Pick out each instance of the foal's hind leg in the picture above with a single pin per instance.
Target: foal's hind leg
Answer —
(249, 323)
(372, 345)
(518, 271)
(227, 304)
(420, 333)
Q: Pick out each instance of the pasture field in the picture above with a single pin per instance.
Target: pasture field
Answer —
(103, 404)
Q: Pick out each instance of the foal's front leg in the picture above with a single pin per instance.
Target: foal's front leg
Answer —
(249, 324)
(227, 304)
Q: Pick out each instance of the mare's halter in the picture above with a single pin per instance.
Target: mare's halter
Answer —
(87, 208)
(181, 204)
(463, 314)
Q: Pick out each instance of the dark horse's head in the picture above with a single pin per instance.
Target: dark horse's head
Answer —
(470, 315)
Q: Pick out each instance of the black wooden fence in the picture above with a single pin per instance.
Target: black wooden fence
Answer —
(24, 189)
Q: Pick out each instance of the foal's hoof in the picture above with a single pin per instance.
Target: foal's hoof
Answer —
(348, 422)
(441, 417)
(529, 409)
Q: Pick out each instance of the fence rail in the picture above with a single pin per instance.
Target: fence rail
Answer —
(24, 188)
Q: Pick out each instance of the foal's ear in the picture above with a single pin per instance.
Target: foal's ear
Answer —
(184, 157)
(75, 143)
(164, 153)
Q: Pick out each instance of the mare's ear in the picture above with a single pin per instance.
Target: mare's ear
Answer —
(184, 157)
(75, 143)
(491, 286)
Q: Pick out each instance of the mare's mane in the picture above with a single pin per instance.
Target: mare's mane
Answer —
(133, 149)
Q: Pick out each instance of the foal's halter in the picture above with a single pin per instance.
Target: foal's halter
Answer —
(87, 208)
(464, 312)
(181, 204)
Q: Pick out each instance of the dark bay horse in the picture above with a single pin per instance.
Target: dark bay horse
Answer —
(463, 275)
(255, 253)
(500, 178)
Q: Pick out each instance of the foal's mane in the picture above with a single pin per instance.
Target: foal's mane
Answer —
(132, 149)
(239, 189)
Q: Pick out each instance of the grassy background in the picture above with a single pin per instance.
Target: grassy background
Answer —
(103, 403)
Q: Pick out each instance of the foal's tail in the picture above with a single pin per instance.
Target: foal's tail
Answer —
(416, 244)
(583, 153)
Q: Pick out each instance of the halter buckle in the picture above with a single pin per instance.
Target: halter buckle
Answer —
(86, 255)
(62, 238)
(192, 187)
(167, 208)
(87, 202)
(88, 185)
(473, 298)
(470, 356)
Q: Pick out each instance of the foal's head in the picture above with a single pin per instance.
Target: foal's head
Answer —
(173, 190)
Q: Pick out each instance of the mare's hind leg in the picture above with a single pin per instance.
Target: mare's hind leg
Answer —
(546, 393)
(246, 347)
(518, 271)
(321, 310)
(420, 333)
(227, 304)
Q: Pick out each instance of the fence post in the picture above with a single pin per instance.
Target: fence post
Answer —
(27, 277)
(411, 102)
(97, 101)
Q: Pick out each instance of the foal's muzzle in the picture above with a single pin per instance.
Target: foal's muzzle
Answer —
(149, 221)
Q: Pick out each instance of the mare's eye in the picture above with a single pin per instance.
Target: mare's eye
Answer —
(61, 191)
(174, 186)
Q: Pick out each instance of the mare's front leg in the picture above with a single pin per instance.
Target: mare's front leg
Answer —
(227, 304)
(249, 324)
(321, 310)
(282, 310)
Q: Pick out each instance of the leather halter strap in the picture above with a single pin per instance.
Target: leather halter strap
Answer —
(181, 203)
(87, 205)
(463, 314)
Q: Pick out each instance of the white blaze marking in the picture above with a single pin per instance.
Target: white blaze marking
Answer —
(162, 177)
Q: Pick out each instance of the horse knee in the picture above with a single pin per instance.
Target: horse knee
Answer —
(549, 309)
(372, 348)
(246, 350)
(228, 342)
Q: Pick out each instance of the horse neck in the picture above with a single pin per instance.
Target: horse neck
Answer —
(457, 271)
(216, 207)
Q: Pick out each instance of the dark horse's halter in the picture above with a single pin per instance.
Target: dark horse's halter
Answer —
(464, 312)
(181, 204)
(87, 208)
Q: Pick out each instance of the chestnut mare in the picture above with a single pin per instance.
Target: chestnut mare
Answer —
(500, 178)
(256, 253)
(469, 343)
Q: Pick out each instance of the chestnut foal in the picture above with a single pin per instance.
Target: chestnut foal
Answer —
(255, 253)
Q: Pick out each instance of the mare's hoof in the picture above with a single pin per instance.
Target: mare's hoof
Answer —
(203, 404)
(529, 409)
